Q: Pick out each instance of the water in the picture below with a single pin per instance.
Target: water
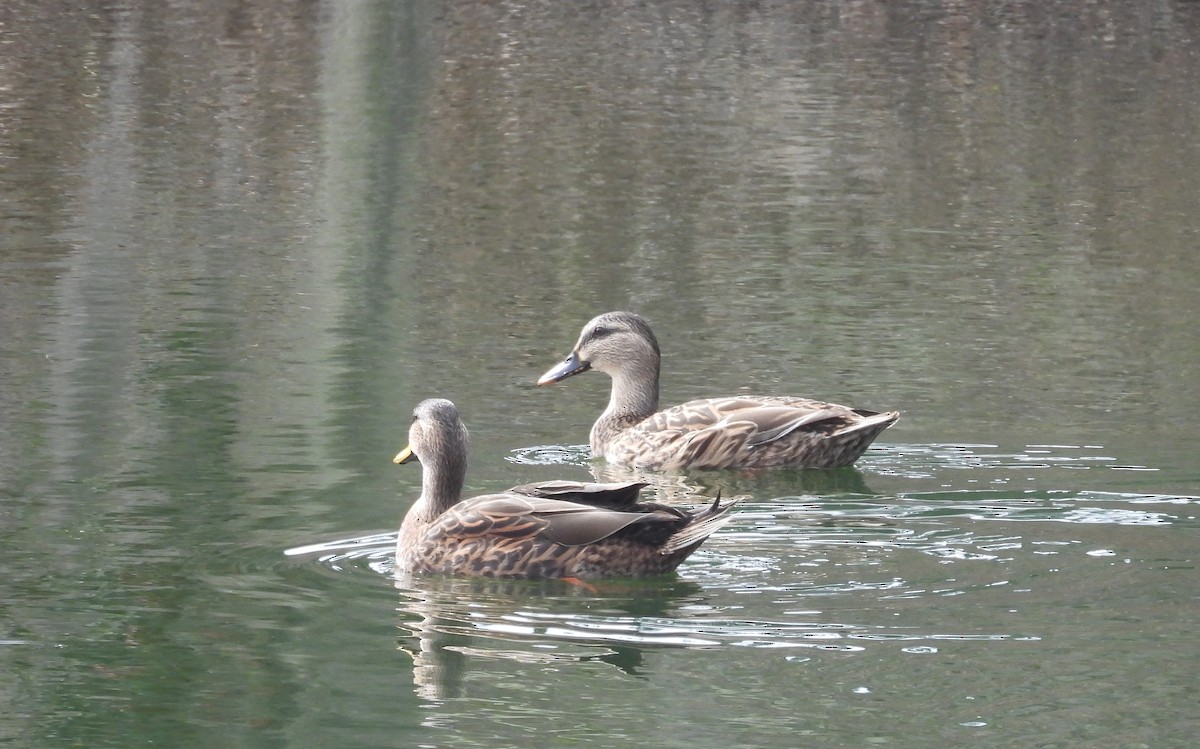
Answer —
(239, 242)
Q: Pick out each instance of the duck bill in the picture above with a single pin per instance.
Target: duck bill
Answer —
(564, 369)
(404, 456)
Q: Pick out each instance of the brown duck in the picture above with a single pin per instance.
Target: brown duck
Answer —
(557, 529)
(738, 431)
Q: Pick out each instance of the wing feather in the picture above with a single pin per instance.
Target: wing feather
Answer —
(748, 421)
(613, 495)
(515, 517)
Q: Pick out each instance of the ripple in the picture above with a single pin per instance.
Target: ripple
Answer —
(493, 619)
(1045, 506)
(552, 455)
(798, 560)
(927, 460)
(375, 552)
(919, 519)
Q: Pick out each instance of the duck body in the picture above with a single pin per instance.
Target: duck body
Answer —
(740, 432)
(556, 529)
(743, 432)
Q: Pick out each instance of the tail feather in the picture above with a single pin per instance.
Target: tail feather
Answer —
(874, 424)
(703, 525)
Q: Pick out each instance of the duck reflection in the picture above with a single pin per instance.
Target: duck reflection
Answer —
(669, 485)
(450, 626)
(742, 485)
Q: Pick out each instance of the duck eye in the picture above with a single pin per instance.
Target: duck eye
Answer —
(600, 331)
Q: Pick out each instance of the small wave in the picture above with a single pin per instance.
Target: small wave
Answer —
(551, 455)
(927, 460)
(375, 552)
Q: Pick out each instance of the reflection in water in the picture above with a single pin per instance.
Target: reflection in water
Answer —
(807, 582)
(855, 574)
(685, 487)
(458, 624)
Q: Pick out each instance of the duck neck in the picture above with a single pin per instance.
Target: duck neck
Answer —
(634, 398)
(441, 486)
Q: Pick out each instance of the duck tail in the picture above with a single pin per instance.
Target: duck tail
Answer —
(702, 525)
(872, 423)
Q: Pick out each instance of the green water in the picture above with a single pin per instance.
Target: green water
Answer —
(238, 242)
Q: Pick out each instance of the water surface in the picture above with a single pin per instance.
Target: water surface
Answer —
(238, 242)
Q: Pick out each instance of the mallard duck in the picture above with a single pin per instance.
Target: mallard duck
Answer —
(557, 529)
(738, 431)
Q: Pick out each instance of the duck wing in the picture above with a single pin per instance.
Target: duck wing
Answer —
(516, 517)
(719, 432)
(611, 495)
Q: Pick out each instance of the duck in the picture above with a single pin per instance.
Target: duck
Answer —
(743, 432)
(560, 529)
